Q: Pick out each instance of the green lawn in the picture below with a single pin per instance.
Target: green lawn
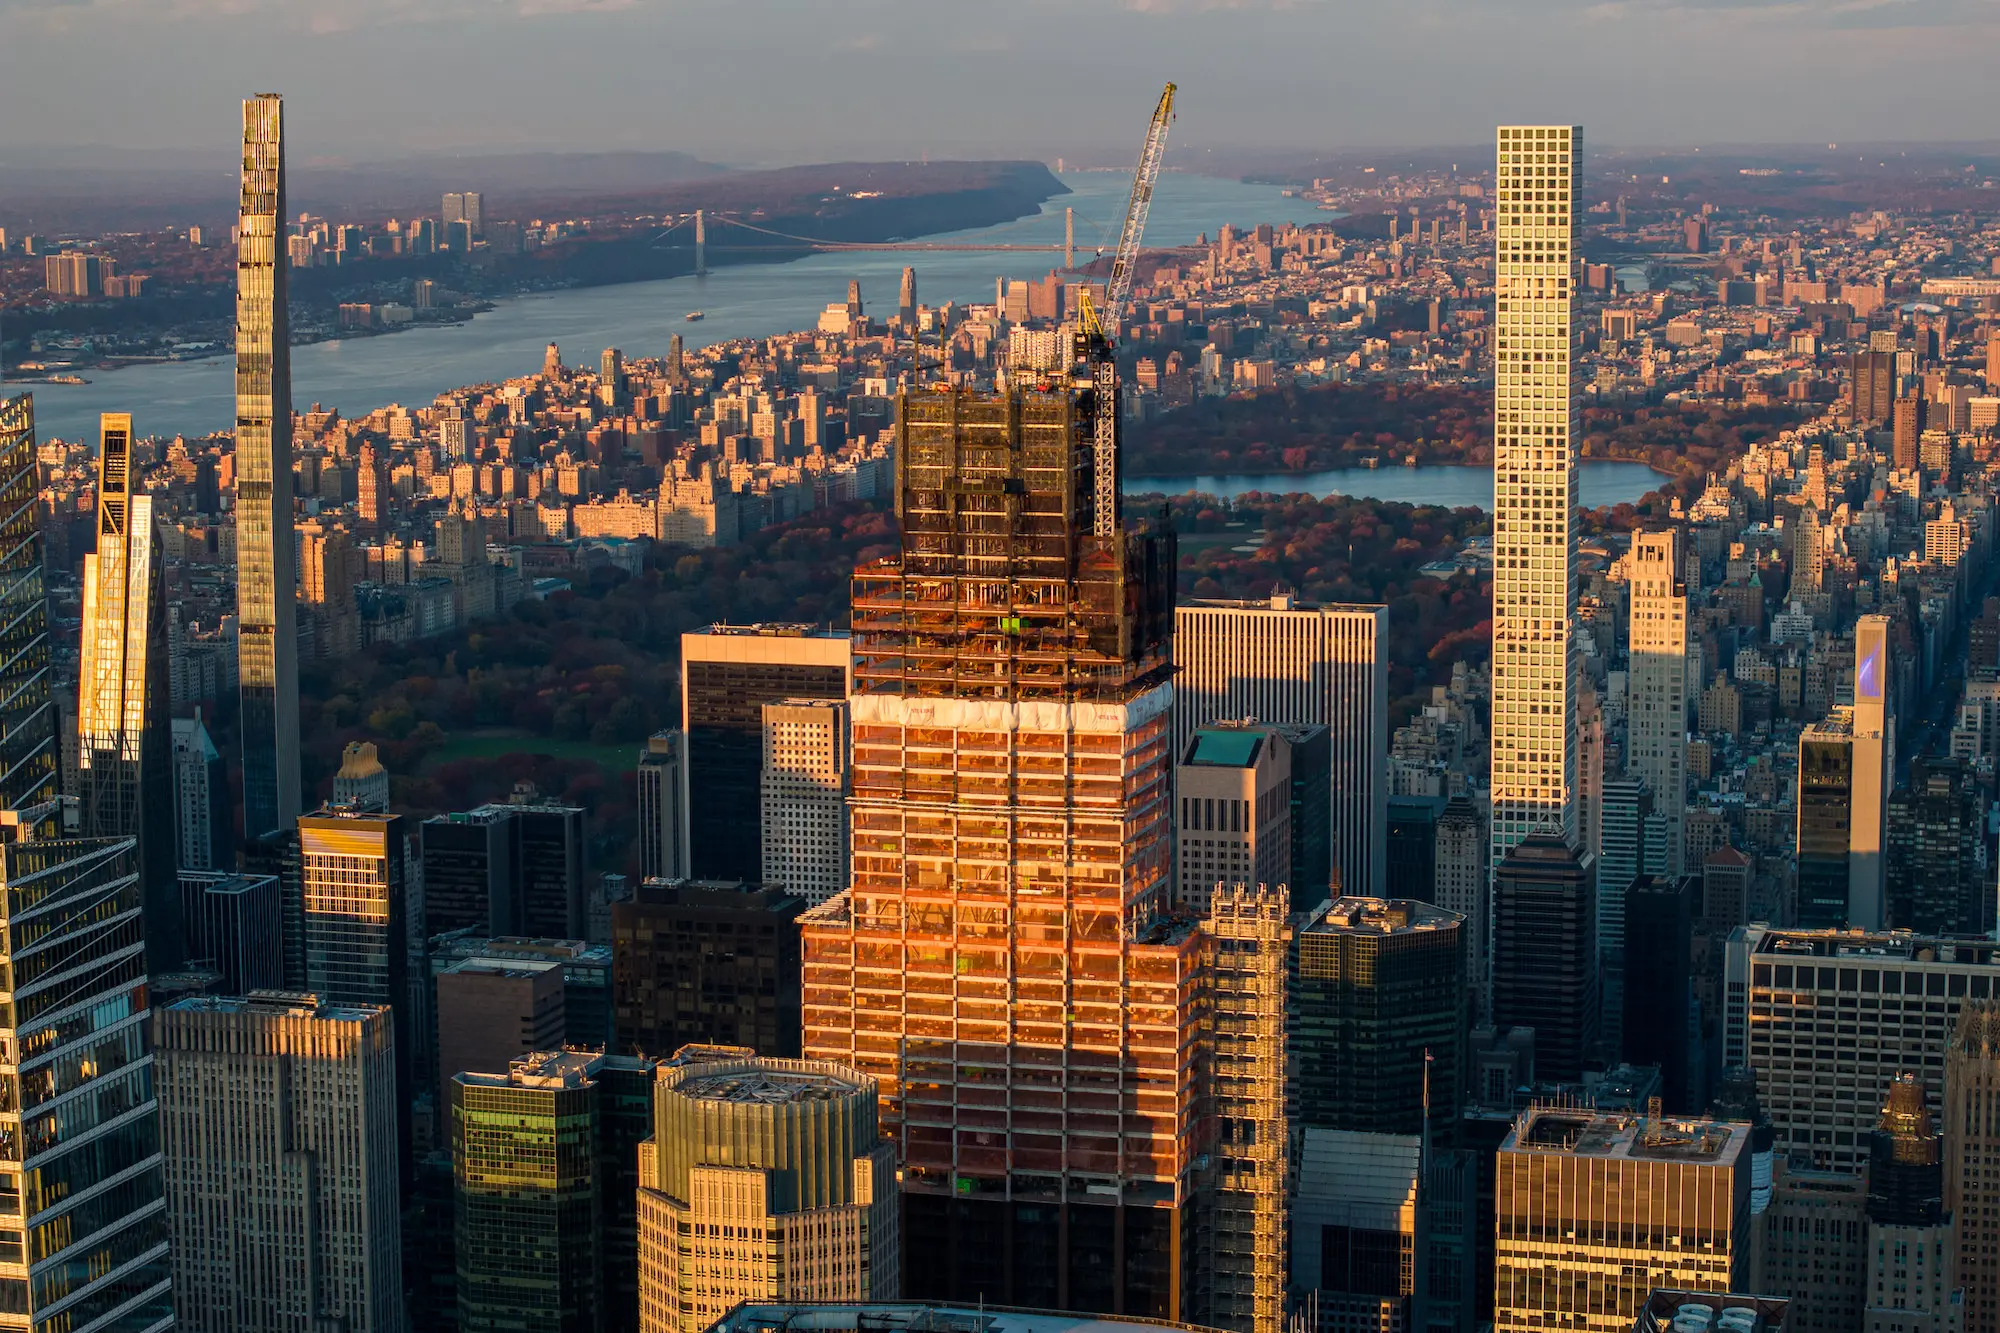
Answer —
(483, 745)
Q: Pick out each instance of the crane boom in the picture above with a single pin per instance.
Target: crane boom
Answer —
(1119, 290)
(1100, 333)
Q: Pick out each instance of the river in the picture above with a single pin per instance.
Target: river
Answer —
(1598, 483)
(358, 375)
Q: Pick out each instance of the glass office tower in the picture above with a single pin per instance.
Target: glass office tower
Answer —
(124, 732)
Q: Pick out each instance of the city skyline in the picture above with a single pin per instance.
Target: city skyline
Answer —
(985, 984)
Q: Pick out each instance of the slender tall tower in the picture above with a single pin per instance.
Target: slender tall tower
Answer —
(266, 637)
(124, 731)
(1873, 769)
(1534, 485)
(1656, 718)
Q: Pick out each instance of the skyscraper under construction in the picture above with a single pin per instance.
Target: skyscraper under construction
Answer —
(1006, 962)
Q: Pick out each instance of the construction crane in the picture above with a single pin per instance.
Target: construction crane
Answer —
(1098, 337)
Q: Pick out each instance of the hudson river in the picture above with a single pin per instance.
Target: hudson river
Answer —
(359, 375)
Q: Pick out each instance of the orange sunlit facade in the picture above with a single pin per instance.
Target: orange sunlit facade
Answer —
(1006, 961)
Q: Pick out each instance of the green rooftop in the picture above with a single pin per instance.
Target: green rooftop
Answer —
(1227, 747)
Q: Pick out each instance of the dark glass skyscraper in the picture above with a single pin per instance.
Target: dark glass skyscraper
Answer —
(1545, 973)
(81, 1183)
(267, 638)
(1826, 817)
(1659, 981)
(1380, 985)
(124, 737)
(27, 711)
(545, 1164)
(1936, 885)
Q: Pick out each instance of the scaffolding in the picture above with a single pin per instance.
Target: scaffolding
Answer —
(1249, 933)
(1002, 590)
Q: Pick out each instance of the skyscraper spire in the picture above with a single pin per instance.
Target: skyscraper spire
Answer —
(267, 639)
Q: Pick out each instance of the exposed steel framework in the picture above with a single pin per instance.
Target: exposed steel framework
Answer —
(1003, 589)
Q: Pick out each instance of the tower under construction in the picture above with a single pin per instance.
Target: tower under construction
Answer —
(1005, 962)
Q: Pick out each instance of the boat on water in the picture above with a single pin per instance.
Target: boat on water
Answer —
(694, 315)
(66, 379)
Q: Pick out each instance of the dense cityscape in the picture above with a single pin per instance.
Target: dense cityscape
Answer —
(800, 831)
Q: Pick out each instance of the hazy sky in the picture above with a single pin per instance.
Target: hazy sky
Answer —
(789, 80)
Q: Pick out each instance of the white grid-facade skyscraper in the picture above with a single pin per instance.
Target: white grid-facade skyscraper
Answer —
(1534, 483)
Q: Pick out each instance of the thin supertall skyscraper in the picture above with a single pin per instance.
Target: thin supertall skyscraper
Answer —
(1534, 484)
(267, 638)
(27, 709)
(124, 739)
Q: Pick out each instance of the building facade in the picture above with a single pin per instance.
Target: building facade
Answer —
(663, 850)
(1794, 1012)
(706, 963)
(27, 709)
(1657, 685)
(1826, 815)
(352, 883)
(728, 674)
(764, 1180)
(1972, 1157)
(1659, 986)
(202, 816)
(1248, 1199)
(1006, 954)
(1814, 1250)
(278, 1128)
(1233, 787)
(803, 797)
(233, 926)
(266, 634)
(1464, 886)
(1867, 860)
(545, 1179)
(1593, 1212)
(125, 775)
(1912, 1280)
(1285, 662)
(1380, 1009)
(1534, 774)
(1545, 973)
(470, 862)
